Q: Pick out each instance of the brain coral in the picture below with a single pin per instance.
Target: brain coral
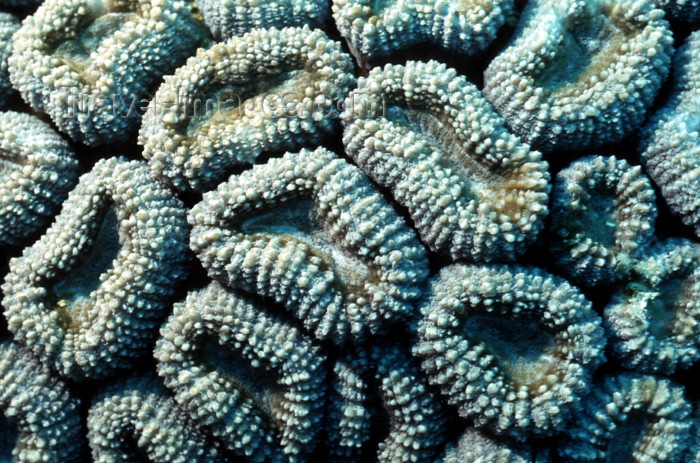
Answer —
(378, 28)
(416, 419)
(8, 26)
(671, 140)
(227, 18)
(511, 347)
(88, 296)
(90, 63)
(37, 169)
(267, 90)
(633, 418)
(254, 380)
(40, 420)
(311, 232)
(654, 320)
(472, 189)
(602, 220)
(137, 418)
(580, 74)
(475, 446)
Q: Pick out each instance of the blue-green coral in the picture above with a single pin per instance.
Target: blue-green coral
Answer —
(379, 28)
(310, 231)
(267, 90)
(631, 417)
(476, 446)
(254, 380)
(670, 145)
(602, 220)
(37, 169)
(89, 64)
(138, 418)
(40, 421)
(653, 321)
(416, 419)
(511, 347)
(580, 74)
(228, 18)
(473, 190)
(88, 296)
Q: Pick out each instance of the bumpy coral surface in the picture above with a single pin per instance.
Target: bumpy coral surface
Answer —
(378, 28)
(654, 320)
(137, 418)
(475, 446)
(680, 10)
(473, 190)
(268, 90)
(671, 140)
(311, 231)
(227, 18)
(37, 169)
(254, 380)
(8, 26)
(40, 421)
(416, 420)
(602, 220)
(88, 296)
(511, 347)
(580, 74)
(90, 63)
(631, 417)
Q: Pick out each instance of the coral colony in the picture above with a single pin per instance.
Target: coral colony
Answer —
(355, 231)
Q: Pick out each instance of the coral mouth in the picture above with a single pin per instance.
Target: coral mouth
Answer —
(72, 293)
(524, 351)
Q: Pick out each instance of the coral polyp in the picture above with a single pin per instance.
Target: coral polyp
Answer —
(37, 169)
(8, 26)
(137, 417)
(654, 320)
(383, 382)
(39, 419)
(88, 296)
(473, 190)
(379, 28)
(511, 347)
(602, 220)
(476, 446)
(255, 381)
(228, 18)
(311, 232)
(631, 417)
(670, 146)
(89, 64)
(267, 90)
(580, 74)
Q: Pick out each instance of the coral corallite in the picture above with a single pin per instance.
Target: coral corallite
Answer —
(473, 190)
(580, 74)
(86, 63)
(511, 347)
(267, 90)
(88, 296)
(255, 381)
(310, 231)
(602, 220)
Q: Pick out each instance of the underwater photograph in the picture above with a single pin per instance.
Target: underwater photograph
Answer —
(350, 231)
